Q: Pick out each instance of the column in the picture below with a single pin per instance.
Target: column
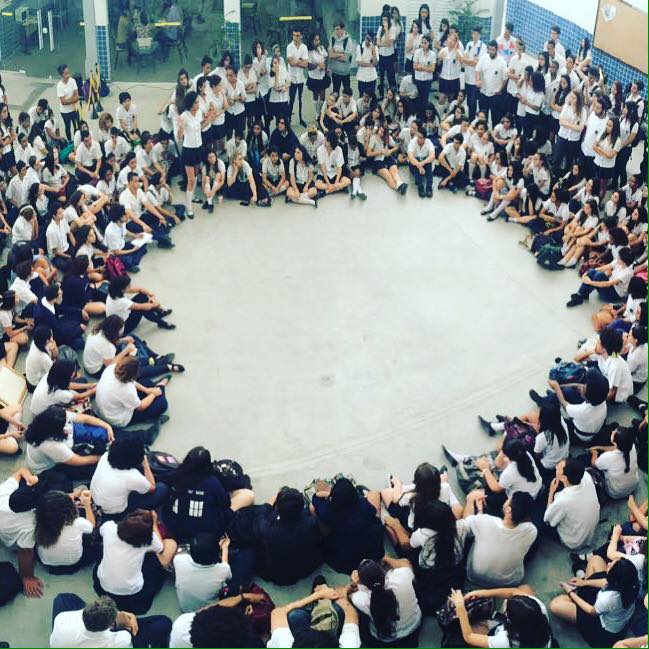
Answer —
(232, 28)
(96, 28)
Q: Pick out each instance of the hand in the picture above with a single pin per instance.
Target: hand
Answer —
(85, 498)
(224, 542)
(567, 588)
(326, 592)
(554, 485)
(474, 594)
(147, 229)
(482, 463)
(576, 581)
(254, 598)
(617, 532)
(586, 280)
(156, 392)
(32, 587)
(127, 621)
(110, 433)
(84, 315)
(130, 348)
(457, 598)
(553, 384)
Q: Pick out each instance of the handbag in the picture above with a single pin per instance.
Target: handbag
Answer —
(114, 268)
(479, 608)
(483, 188)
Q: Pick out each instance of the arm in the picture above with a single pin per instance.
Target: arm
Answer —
(471, 638)
(32, 586)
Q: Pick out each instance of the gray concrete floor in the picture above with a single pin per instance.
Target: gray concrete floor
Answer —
(357, 337)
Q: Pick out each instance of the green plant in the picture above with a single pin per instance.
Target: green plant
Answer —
(466, 9)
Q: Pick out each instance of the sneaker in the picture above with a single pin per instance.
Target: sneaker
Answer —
(403, 188)
(196, 200)
(453, 458)
(165, 312)
(491, 218)
(487, 427)
(163, 419)
(352, 195)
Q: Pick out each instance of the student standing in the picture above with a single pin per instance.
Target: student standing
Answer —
(297, 57)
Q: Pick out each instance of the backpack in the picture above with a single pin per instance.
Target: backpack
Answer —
(469, 477)
(478, 608)
(260, 615)
(567, 372)
(10, 582)
(324, 616)
(114, 268)
(231, 475)
(599, 480)
(517, 429)
(163, 465)
(483, 188)
(89, 440)
(549, 257)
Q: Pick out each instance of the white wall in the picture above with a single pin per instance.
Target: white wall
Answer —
(373, 7)
(580, 12)
(232, 11)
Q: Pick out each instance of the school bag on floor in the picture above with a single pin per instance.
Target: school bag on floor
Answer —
(10, 582)
(163, 465)
(517, 429)
(549, 257)
(564, 372)
(483, 188)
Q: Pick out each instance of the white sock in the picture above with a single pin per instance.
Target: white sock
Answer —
(490, 204)
(498, 426)
(483, 171)
(501, 208)
(471, 170)
(356, 185)
(210, 200)
(359, 189)
(305, 200)
(188, 200)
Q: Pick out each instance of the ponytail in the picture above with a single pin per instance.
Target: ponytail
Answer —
(515, 451)
(624, 439)
(384, 608)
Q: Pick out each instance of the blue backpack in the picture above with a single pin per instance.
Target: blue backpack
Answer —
(568, 372)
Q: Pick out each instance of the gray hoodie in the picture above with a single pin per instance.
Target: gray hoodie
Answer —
(346, 45)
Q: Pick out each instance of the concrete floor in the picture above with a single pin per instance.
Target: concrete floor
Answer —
(357, 337)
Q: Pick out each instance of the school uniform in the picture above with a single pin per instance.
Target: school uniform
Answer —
(192, 138)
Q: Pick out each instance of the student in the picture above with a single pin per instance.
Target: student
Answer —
(273, 173)
(367, 58)
(610, 281)
(424, 63)
(475, 49)
(131, 310)
(388, 599)
(613, 366)
(18, 523)
(450, 56)
(551, 445)
(63, 537)
(201, 572)
(350, 523)
(618, 462)
(330, 178)
(243, 185)
(491, 76)
(355, 161)
(200, 502)
(189, 132)
(606, 149)
(602, 604)
(88, 159)
(133, 567)
(50, 439)
(487, 563)
(525, 622)
(213, 179)
(101, 624)
(386, 38)
(572, 513)
(301, 187)
(637, 355)
(297, 57)
(126, 115)
(451, 165)
(421, 159)
(58, 389)
(118, 393)
(290, 625)
(16, 330)
(278, 100)
(68, 93)
(288, 541)
(381, 150)
(341, 50)
(235, 92)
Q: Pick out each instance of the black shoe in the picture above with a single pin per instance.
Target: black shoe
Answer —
(487, 427)
(501, 418)
(210, 208)
(403, 188)
(196, 200)
(536, 397)
(190, 215)
(637, 403)
(303, 124)
(321, 193)
(165, 312)
(452, 461)
(134, 269)
(166, 325)
(165, 244)
(575, 300)
(163, 419)
(362, 196)
(491, 218)
(487, 210)
(422, 192)
(205, 205)
(166, 359)
(452, 188)
(429, 192)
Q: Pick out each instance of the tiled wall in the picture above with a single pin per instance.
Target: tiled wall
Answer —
(10, 36)
(532, 23)
(371, 24)
(103, 51)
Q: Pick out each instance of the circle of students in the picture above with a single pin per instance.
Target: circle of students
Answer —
(547, 144)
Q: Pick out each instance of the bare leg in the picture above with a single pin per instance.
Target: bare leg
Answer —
(169, 547)
(241, 498)
(564, 608)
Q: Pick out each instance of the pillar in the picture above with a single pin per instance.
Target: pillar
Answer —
(232, 28)
(96, 29)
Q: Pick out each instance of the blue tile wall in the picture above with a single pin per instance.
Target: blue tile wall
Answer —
(532, 23)
(233, 40)
(371, 24)
(103, 51)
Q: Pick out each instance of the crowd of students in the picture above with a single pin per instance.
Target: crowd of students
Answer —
(546, 145)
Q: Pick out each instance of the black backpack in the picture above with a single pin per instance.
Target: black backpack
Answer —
(10, 582)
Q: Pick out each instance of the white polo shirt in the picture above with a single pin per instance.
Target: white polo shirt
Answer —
(297, 74)
(424, 58)
(493, 73)
(331, 161)
(57, 237)
(88, 156)
(134, 202)
(65, 91)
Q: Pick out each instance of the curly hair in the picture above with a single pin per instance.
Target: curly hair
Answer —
(54, 511)
(49, 424)
(218, 626)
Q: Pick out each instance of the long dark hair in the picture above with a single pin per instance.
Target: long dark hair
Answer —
(526, 623)
(384, 607)
(427, 486)
(54, 511)
(515, 451)
(112, 327)
(427, 20)
(622, 577)
(47, 425)
(343, 498)
(60, 375)
(624, 440)
(551, 423)
(196, 466)
(614, 134)
(561, 93)
(438, 516)
(181, 90)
